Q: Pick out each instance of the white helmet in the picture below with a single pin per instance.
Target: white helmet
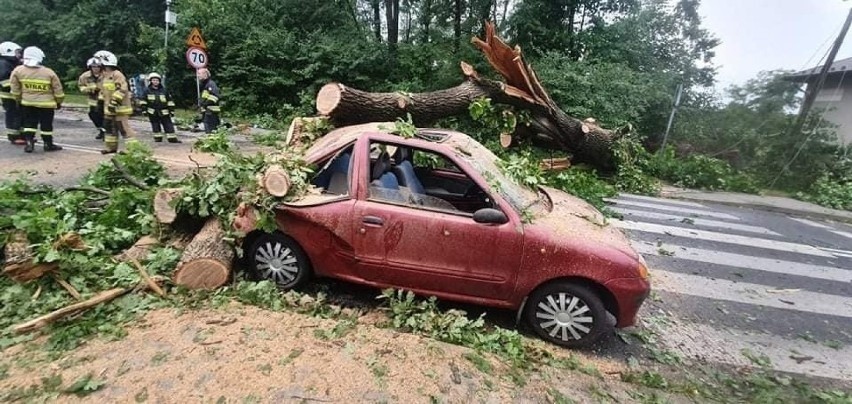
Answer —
(93, 62)
(33, 56)
(9, 48)
(107, 58)
(155, 75)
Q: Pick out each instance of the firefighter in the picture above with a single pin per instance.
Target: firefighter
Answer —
(116, 93)
(88, 84)
(209, 101)
(39, 93)
(10, 58)
(160, 109)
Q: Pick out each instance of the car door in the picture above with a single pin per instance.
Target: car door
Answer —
(406, 245)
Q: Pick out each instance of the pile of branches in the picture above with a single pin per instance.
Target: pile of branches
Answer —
(128, 228)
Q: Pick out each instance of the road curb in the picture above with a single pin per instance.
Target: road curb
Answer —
(818, 212)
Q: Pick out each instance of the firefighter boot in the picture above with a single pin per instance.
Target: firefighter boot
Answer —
(101, 133)
(30, 138)
(49, 146)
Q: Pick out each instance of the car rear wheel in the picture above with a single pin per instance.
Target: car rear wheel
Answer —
(278, 258)
(567, 314)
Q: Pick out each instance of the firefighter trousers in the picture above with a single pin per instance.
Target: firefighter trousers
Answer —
(35, 119)
(96, 114)
(161, 123)
(211, 121)
(13, 119)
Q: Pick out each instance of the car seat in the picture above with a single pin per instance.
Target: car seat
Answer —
(404, 171)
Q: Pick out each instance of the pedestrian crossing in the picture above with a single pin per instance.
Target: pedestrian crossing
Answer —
(744, 282)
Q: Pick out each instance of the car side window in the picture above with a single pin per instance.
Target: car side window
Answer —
(333, 177)
(422, 179)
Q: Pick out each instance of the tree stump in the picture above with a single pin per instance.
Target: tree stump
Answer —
(207, 259)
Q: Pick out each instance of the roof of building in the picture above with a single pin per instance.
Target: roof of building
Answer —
(838, 66)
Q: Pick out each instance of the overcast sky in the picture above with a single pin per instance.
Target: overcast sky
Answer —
(772, 34)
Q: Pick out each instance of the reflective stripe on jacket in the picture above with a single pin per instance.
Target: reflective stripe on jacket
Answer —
(88, 84)
(116, 93)
(36, 87)
(157, 100)
(210, 96)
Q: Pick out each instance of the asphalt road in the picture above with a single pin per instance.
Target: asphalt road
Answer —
(732, 282)
(728, 282)
(76, 134)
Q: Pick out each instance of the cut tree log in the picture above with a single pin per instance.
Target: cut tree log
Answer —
(586, 141)
(19, 260)
(207, 259)
(245, 220)
(139, 250)
(164, 204)
(275, 181)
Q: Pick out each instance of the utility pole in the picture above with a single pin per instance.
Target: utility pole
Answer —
(171, 18)
(813, 90)
(671, 117)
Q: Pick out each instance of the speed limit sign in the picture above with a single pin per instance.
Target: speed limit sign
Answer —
(196, 57)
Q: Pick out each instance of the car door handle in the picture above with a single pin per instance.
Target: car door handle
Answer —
(373, 220)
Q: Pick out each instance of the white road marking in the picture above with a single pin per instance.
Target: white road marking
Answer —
(696, 221)
(660, 200)
(753, 294)
(747, 262)
(838, 253)
(810, 223)
(825, 227)
(721, 237)
(688, 211)
(726, 345)
(91, 150)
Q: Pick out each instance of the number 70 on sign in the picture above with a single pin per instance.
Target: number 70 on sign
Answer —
(196, 57)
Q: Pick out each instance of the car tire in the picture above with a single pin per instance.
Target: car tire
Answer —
(555, 315)
(278, 258)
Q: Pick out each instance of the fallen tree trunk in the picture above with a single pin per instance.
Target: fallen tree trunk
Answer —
(585, 140)
(207, 259)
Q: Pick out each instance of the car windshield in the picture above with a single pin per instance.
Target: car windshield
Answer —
(483, 160)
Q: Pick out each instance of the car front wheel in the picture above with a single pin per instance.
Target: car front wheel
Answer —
(567, 314)
(278, 258)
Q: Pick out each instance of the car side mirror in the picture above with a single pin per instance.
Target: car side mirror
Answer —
(489, 216)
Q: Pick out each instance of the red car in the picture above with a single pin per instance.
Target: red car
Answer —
(435, 214)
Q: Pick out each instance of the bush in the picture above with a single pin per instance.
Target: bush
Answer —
(700, 171)
(831, 193)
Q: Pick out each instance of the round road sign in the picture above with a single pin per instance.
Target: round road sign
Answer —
(196, 57)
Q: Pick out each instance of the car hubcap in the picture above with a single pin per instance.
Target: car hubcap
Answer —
(564, 317)
(276, 262)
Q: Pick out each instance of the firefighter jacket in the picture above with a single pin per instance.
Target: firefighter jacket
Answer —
(37, 87)
(88, 84)
(210, 96)
(157, 101)
(116, 93)
(7, 64)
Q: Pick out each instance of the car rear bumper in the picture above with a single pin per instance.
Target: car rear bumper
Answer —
(630, 293)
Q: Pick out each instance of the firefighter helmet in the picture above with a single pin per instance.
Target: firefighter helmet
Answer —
(107, 58)
(155, 75)
(33, 56)
(9, 48)
(92, 62)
